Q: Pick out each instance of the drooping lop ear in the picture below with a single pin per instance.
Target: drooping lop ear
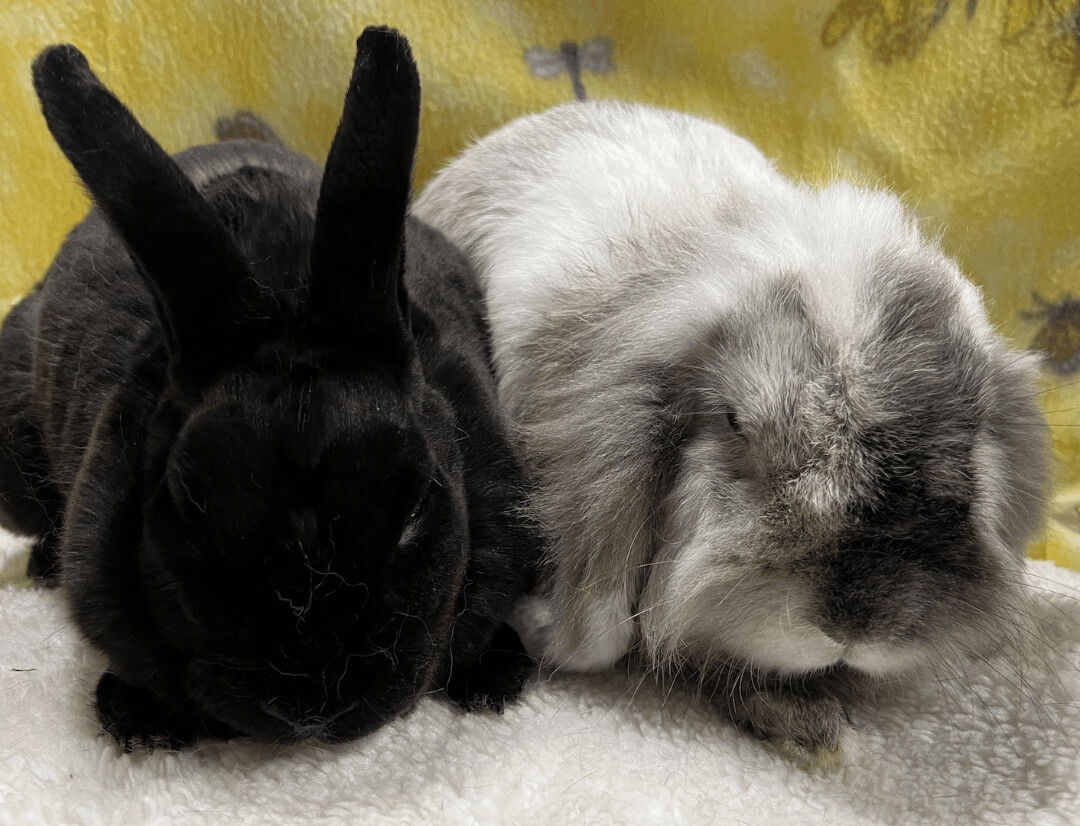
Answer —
(185, 252)
(357, 253)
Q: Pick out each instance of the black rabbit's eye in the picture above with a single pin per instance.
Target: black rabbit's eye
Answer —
(415, 512)
(413, 520)
(733, 420)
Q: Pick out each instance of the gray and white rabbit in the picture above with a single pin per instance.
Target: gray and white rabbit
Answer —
(775, 440)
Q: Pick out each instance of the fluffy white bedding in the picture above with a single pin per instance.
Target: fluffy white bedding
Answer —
(1001, 745)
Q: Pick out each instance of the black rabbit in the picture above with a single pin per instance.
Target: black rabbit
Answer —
(250, 416)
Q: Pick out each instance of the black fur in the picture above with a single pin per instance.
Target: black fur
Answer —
(249, 415)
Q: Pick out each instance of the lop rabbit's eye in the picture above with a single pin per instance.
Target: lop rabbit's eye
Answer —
(733, 420)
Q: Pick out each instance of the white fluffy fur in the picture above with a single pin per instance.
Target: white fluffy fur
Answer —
(586, 180)
(601, 749)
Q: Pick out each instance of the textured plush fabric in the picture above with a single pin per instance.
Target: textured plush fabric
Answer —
(996, 745)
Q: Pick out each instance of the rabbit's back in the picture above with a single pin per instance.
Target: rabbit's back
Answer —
(585, 199)
(92, 319)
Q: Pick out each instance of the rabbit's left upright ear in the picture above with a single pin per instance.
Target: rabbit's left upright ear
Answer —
(357, 252)
(187, 255)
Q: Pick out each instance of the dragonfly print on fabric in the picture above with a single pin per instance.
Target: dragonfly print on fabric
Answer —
(593, 55)
(1059, 336)
(890, 28)
(898, 29)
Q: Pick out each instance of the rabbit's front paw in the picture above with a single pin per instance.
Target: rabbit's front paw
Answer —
(139, 722)
(805, 720)
(600, 637)
(783, 716)
(496, 678)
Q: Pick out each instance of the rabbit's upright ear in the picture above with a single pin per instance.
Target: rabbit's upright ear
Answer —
(357, 294)
(185, 252)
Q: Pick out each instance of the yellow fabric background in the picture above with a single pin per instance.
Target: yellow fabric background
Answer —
(964, 106)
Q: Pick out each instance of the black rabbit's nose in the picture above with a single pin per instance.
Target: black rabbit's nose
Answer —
(306, 725)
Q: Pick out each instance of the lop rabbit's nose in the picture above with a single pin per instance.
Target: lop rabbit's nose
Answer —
(835, 634)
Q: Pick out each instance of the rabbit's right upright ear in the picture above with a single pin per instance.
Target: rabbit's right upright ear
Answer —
(357, 293)
(187, 255)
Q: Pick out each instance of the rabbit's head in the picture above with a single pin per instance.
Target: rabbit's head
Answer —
(862, 464)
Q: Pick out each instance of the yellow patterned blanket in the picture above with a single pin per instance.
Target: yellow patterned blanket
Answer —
(967, 107)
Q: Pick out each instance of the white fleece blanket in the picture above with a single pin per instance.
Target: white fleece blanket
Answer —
(997, 746)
